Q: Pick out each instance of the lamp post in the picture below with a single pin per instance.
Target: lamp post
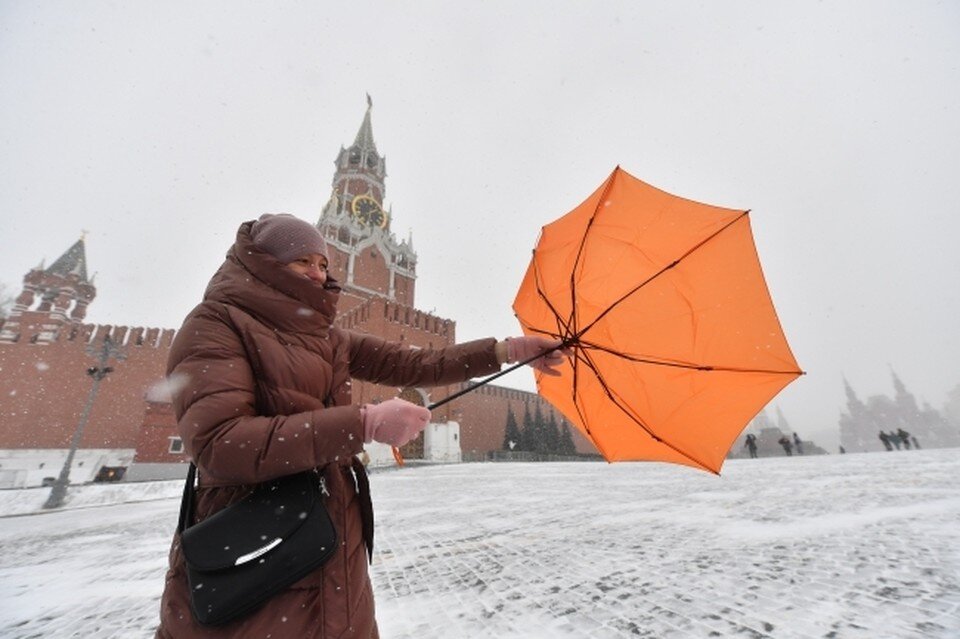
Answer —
(98, 372)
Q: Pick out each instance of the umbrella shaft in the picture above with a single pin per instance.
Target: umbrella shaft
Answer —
(487, 380)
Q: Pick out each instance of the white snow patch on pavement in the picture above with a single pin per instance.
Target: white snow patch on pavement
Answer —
(835, 547)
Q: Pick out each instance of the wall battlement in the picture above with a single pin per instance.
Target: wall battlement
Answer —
(29, 331)
(398, 314)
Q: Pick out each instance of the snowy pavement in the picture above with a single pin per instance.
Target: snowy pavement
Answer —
(849, 546)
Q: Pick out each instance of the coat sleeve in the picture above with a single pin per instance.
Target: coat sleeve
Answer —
(214, 397)
(376, 360)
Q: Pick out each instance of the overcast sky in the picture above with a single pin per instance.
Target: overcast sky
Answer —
(159, 126)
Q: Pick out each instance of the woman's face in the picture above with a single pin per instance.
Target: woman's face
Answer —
(312, 266)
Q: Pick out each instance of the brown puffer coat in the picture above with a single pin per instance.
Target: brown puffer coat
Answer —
(263, 390)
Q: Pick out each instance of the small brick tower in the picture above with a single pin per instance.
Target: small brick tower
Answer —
(46, 355)
(53, 299)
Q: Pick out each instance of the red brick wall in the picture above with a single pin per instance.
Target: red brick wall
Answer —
(44, 387)
(339, 260)
(370, 270)
(404, 288)
(153, 440)
(482, 414)
(358, 186)
(399, 323)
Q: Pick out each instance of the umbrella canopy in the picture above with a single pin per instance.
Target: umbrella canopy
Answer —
(676, 341)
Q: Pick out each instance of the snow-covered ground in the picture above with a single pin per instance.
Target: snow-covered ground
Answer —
(848, 546)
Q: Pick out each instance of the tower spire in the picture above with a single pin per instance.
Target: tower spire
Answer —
(72, 262)
(364, 140)
(361, 174)
(854, 405)
(782, 421)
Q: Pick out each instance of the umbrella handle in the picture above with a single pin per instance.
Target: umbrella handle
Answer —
(397, 456)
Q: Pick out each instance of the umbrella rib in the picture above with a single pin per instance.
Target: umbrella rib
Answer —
(677, 364)
(617, 401)
(658, 273)
(565, 333)
(583, 241)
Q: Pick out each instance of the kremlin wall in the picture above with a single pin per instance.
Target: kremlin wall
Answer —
(57, 373)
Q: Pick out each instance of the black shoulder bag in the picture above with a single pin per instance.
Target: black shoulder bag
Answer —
(244, 554)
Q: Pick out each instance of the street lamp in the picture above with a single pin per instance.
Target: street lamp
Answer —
(98, 372)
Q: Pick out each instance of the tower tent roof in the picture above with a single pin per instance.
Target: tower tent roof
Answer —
(364, 139)
(72, 262)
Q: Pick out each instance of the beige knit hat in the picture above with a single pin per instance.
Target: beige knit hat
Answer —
(286, 237)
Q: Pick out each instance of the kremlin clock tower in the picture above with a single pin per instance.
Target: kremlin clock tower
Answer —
(377, 275)
(366, 257)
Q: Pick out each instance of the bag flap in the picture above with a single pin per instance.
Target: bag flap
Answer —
(253, 526)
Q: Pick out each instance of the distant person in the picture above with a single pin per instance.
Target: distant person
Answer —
(842, 450)
(787, 445)
(894, 439)
(751, 444)
(916, 444)
(798, 444)
(904, 437)
(886, 440)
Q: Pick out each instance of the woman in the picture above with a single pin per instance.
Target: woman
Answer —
(262, 390)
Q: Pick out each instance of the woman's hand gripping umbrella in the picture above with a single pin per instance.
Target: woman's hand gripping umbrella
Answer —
(542, 354)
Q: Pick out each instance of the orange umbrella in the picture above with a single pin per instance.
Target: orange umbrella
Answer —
(676, 342)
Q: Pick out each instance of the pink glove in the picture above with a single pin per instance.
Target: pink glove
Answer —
(393, 422)
(520, 349)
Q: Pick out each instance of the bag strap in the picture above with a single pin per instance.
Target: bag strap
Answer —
(186, 502)
(366, 505)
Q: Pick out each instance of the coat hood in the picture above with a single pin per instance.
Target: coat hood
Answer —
(258, 283)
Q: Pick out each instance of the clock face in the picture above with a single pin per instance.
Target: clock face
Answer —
(378, 217)
(367, 212)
